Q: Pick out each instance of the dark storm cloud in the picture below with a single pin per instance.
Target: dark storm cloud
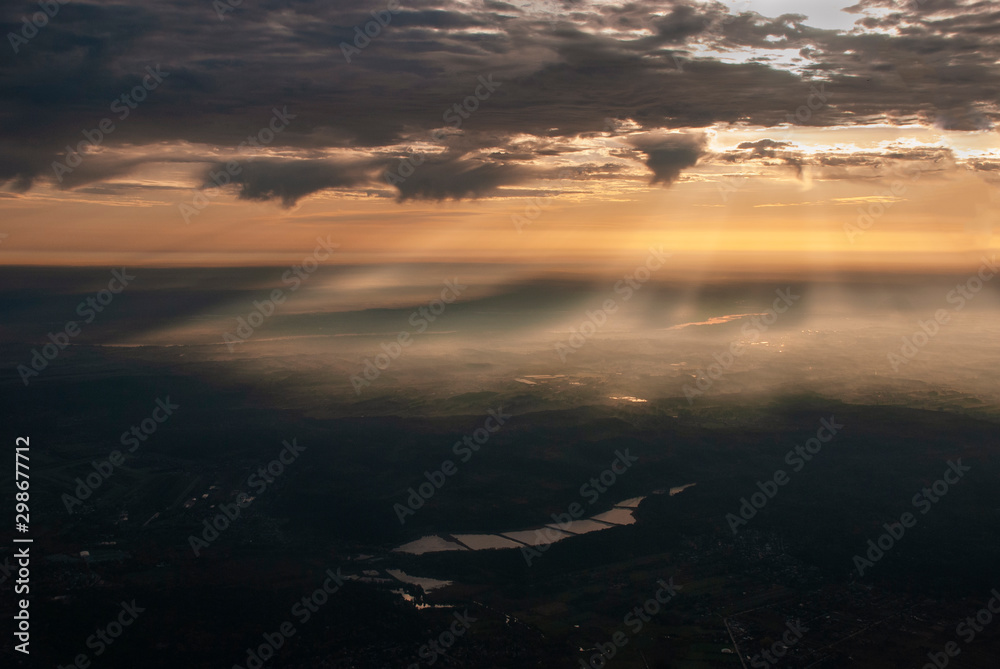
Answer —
(458, 178)
(848, 164)
(764, 147)
(443, 177)
(562, 76)
(767, 148)
(290, 180)
(667, 155)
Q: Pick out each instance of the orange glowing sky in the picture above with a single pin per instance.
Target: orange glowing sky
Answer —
(614, 128)
(742, 216)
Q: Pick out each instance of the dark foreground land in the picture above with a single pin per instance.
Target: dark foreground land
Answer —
(786, 582)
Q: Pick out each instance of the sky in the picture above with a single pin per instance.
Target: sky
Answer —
(752, 135)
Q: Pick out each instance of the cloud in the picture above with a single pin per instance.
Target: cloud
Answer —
(668, 154)
(289, 180)
(768, 148)
(563, 75)
(763, 148)
(458, 178)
